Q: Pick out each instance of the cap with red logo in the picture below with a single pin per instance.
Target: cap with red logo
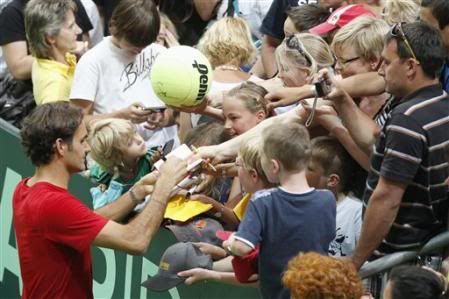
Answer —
(341, 17)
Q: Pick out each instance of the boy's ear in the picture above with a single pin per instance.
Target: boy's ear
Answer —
(253, 174)
(276, 166)
(261, 115)
(333, 180)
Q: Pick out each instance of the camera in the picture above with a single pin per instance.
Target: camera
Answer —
(322, 89)
(324, 86)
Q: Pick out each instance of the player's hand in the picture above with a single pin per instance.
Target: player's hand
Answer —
(149, 179)
(172, 171)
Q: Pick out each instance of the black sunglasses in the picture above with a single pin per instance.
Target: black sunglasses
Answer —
(397, 31)
(294, 43)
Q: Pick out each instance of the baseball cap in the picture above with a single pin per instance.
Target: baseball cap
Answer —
(198, 230)
(178, 257)
(341, 17)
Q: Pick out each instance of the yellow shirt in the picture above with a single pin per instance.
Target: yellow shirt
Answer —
(240, 208)
(52, 80)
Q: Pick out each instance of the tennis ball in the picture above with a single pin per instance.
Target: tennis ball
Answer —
(181, 76)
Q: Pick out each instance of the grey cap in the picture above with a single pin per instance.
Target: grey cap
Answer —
(178, 257)
(198, 230)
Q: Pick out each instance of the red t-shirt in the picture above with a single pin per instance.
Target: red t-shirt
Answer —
(54, 231)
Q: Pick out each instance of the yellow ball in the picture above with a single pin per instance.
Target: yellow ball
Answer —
(181, 76)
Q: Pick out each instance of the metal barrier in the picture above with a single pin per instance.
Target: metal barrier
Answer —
(381, 266)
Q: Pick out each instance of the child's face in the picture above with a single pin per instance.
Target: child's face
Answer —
(134, 147)
(291, 75)
(248, 177)
(238, 119)
(316, 176)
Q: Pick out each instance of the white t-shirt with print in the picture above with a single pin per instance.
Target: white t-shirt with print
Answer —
(114, 79)
(348, 225)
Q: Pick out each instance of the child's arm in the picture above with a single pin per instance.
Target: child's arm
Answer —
(199, 274)
(237, 247)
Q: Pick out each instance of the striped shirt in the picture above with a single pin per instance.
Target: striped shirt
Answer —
(411, 149)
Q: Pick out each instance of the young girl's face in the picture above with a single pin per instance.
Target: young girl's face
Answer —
(134, 147)
(238, 119)
(291, 75)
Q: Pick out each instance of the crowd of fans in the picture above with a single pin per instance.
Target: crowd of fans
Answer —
(324, 139)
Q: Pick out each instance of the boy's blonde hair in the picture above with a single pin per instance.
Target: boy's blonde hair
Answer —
(252, 95)
(288, 143)
(228, 41)
(399, 11)
(313, 53)
(107, 137)
(366, 34)
(249, 152)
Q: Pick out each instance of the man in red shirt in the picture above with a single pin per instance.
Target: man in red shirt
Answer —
(54, 229)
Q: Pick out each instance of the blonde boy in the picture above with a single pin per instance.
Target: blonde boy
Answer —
(289, 219)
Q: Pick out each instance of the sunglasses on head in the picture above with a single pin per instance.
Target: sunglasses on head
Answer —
(397, 31)
(294, 43)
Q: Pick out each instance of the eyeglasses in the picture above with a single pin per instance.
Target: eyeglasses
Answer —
(294, 43)
(397, 31)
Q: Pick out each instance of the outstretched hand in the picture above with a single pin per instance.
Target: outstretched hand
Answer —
(198, 274)
(281, 97)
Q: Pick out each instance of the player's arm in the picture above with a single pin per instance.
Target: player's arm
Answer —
(382, 209)
(135, 237)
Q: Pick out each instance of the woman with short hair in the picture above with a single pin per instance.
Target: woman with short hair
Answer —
(51, 32)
